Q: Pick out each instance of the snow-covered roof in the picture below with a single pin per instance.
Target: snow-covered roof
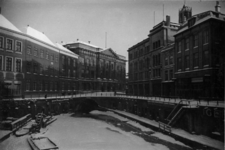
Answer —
(65, 51)
(38, 35)
(7, 24)
(81, 42)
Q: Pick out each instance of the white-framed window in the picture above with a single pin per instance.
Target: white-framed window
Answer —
(29, 50)
(35, 51)
(56, 58)
(34, 86)
(1, 62)
(8, 63)
(18, 65)
(42, 53)
(18, 46)
(51, 57)
(47, 56)
(9, 44)
(1, 42)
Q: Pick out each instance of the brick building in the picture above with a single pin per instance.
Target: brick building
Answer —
(199, 56)
(139, 63)
(168, 84)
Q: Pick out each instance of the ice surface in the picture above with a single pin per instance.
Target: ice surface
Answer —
(89, 134)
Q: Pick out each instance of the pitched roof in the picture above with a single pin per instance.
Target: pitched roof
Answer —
(65, 51)
(38, 35)
(81, 42)
(7, 24)
(200, 18)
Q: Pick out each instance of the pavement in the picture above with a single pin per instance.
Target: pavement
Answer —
(4, 134)
(187, 138)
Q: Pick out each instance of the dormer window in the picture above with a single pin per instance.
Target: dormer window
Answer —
(191, 22)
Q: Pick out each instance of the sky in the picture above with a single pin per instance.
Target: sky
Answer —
(123, 23)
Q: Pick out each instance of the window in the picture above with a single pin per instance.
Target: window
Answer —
(27, 85)
(186, 44)
(179, 65)
(68, 61)
(51, 58)
(1, 62)
(56, 58)
(51, 86)
(187, 62)
(9, 44)
(35, 66)
(18, 65)
(56, 86)
(42, 53)
(68, 73)
(46, 86)
(166, 61)
(34, 86)
(74, 73)
(47, 57)
(29, 50)
(195, 63)
(196, 40)
(205, 57)
(35, 52)
(62, 86)
(171, 59)
(9, 63)
(205, 36)
(171, 74)
(1, 42)
(179, 47)
(41, 86)
(28, 66)
(166, 75)
(18, 46)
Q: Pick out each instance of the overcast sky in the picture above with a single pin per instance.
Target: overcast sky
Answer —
(126, 22)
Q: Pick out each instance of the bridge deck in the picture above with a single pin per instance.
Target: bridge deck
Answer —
(188, 102)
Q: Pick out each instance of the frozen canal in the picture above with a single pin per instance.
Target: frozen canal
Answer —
(98, 131)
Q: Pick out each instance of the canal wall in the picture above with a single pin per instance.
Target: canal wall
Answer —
(198, 120)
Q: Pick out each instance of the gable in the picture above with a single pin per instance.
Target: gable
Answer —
(110, 52)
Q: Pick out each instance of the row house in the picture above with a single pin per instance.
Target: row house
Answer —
(12, 59)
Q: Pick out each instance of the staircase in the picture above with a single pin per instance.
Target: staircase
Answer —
(172, 118)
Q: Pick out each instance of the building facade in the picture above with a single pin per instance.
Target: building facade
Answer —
(168, 80)
(199, 56)
(98, 69)
(139, 63)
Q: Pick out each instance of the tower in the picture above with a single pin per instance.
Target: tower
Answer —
(184, 13)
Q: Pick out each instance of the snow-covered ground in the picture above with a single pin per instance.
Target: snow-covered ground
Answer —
(199, 138)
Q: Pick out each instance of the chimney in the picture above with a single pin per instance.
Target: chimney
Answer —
(217, 7)
(89, 42)
(77, 39)
(167, 20)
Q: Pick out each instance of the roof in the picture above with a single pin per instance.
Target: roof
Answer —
(38, 35)
(81, 42)
(7, 24)
(65, 51)
(200, 18)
